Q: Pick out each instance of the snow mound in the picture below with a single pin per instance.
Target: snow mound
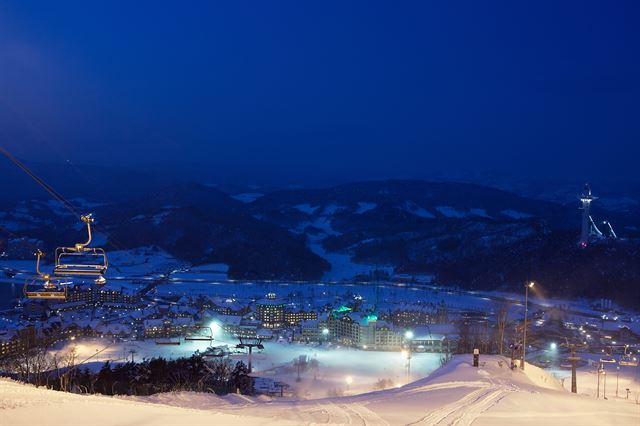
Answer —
(457, 393)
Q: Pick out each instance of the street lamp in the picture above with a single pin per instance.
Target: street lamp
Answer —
(408, 335)
(325, 333)
(527, 286)
(348, 380)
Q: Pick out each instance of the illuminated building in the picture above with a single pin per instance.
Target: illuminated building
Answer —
(270, 311)
(295, 317)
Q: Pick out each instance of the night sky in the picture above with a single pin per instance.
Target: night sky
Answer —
(302, 90)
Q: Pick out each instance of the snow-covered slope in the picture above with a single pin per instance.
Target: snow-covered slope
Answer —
(455, 394)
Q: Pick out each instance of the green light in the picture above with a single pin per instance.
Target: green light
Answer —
(342, 309)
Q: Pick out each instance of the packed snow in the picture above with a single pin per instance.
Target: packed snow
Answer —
(458, 393)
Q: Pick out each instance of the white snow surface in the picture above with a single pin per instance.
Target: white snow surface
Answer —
(140, 261)
(449, 211)
(306, 208)
(342, 267)
(514, 214)
(479, 212)
(456, 394)
(247, 197)
(364, 206)
(413, 208)
(275, 362)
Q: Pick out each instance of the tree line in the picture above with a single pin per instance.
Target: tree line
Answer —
(62, 372)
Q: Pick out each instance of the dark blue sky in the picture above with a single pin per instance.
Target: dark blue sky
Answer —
(348, 90)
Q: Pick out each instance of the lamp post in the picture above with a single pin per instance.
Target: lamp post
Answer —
(325, 334)
(408, 335)
(527, 286)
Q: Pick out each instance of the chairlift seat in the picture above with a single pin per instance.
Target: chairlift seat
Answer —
(45, 294)
(200, 333)
(81, 259)
(81, 270)
(50, 293)
(628, 361)
(89, 262)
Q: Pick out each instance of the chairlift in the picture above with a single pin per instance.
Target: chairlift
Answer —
(200, 333)
(608, 356)
(81, 260)
(169, 341)
(216, 351)
(608, 359)
(628, 358)
(51, 288)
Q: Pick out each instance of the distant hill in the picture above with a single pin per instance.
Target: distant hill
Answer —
(463, 234)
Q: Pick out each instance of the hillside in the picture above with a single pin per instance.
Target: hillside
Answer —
(455, 394)
(462, 234)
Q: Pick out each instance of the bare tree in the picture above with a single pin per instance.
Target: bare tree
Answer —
(502, 314)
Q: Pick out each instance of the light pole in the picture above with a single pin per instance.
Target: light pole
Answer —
(325, 333)
(408, 335)
(527, 286)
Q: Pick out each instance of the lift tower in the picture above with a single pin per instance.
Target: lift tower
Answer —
(589, 228)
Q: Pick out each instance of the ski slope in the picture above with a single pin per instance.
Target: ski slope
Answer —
(457, 394)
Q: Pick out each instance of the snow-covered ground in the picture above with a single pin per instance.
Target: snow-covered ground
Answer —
(342, 267)
(248, 197)
(618, 378)
(457, 394)
(335, 364)
(140, 262)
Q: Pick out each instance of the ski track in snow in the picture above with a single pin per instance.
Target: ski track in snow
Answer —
(351, 414)
(466, 410)
(458, 395)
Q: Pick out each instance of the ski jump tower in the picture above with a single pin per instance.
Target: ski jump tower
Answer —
(590, 231)
(586, 198)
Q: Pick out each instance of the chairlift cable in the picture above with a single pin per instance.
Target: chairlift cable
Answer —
(41, 182)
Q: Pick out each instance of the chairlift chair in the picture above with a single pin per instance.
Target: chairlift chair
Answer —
(81, 260)
(608, 357)
(51, 288)
(200, 333)
(628, 359)
(168, 341)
